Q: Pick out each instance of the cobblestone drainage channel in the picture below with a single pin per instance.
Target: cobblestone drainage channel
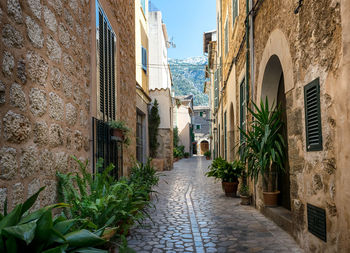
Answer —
(198, 242)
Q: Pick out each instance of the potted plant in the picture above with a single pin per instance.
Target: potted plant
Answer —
(120, 130)
(228, 173)
(244, 190)
(186, 155)
(263, 149)
(207, 154)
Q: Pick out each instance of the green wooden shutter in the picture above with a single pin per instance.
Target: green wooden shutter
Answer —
(242, 108)
(234, 11)
(107, 89)
(226, 37)
(101, 59)
(225, 133)
(216, 90)
(313, 124)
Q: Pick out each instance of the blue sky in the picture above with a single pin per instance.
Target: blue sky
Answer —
(186, 20)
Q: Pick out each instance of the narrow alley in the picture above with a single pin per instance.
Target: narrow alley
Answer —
(193, 215)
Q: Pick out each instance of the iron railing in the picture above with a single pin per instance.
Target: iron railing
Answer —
(107, 147)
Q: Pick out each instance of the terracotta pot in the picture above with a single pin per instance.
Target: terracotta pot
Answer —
(245, 200)
(230, 188)
(270, 198)
(117, 133)
(207, 157)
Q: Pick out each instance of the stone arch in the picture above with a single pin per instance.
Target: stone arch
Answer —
(273, 86)
(277, 48)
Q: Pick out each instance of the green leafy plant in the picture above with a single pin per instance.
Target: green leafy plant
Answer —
(22, 231)
(244, 189)
(227, 172)
(176, 137)
(144, 177)
(207, 153)
(102, 200)
(179, 152)
(153, 124)
(186, 155)
(263, 146)
(121, 125)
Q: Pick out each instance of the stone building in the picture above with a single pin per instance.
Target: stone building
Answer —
(296, 53)
(201, 129)
(183, 111)
(160, 84)
(63, 63)
(142, 78)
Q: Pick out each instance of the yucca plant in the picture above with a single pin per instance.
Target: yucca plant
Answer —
(21, 231)
(263, 145)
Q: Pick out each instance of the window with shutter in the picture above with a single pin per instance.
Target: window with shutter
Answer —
(313, 124)
(242, 95)
(106, 41)
(225, 134)
(226, 37)
(216, 90)
(144, 59)
(234, 10)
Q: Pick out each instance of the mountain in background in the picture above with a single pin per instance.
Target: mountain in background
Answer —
(188, 78)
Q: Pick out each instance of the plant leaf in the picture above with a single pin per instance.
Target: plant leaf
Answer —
(59, 249)
(30, 201)
(12, 218)
(82, 238)
(45, 225)
(24, 232)
(89, 250)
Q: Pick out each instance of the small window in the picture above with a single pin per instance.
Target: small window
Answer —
(313, 116)
(144, 59)
(198, 127)
(201, 114)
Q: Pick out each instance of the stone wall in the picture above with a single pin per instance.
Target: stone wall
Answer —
(314, 43)
(165, 148)
(44, 94)
(48, 89)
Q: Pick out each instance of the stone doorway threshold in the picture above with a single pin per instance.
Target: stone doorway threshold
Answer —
(281, 216)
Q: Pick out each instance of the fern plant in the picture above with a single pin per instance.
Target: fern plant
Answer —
(102, 200)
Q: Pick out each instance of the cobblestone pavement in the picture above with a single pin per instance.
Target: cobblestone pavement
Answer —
(193, 215)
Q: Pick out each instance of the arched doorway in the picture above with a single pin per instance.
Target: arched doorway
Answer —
(204, 146)
(273, 87)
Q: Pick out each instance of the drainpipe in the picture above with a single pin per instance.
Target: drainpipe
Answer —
(247, 51)
(251, 37)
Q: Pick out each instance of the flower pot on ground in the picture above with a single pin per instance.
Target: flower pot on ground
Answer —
(186, 155)
(263, 148)
(230, 188)
(207, 154)
(244, 192)
(228, 173)
(270, 198)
